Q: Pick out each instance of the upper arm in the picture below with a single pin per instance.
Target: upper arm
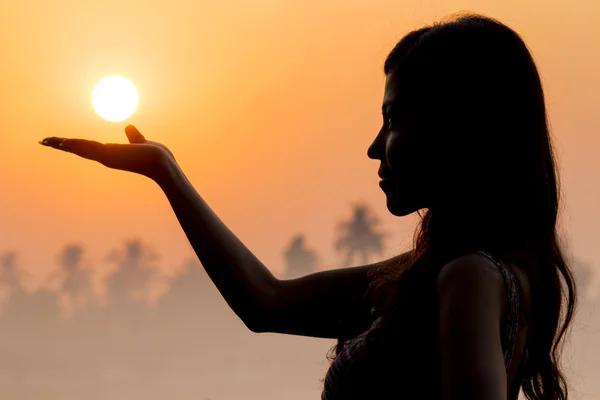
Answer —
(471, 304)
(326, 304)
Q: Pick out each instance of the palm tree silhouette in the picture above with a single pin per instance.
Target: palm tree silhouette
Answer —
(12, 278)
(38, 306)
(358, 236)
(136, 274)
(75, 288)
(299, 260)
(585, 277)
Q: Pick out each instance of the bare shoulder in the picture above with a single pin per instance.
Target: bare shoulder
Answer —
(471, 285)
(470, 271)
(476, 276)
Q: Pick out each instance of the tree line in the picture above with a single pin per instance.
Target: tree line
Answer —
(146, 334)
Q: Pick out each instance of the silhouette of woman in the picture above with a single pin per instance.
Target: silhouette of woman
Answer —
(480, 305)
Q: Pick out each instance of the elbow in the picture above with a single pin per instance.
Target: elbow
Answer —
(261, 317)
(254, 327)
(257, 320)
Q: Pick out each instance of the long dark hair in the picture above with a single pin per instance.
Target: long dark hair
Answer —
(470, 87)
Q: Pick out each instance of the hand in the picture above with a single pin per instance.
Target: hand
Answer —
(141, 156)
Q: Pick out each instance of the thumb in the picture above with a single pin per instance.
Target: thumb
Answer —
(134, 135)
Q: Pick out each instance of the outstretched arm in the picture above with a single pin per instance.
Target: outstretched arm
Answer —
(325, 304)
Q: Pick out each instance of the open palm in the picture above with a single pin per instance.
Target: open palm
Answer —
(140, 155)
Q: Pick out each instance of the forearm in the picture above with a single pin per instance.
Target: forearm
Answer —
(246, 284)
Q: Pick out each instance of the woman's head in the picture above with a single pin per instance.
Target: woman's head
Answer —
(464, 123)
(465, 136)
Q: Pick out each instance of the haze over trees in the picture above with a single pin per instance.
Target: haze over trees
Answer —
(136, 332)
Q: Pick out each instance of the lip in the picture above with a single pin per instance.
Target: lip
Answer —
(384, 183)
(384, 174)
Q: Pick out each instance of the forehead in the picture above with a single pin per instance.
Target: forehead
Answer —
(390, 94)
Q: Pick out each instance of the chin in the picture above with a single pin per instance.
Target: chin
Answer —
(400, 207)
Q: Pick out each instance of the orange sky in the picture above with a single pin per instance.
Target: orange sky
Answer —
(268, 100)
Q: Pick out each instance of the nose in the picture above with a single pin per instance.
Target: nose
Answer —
(376, 150)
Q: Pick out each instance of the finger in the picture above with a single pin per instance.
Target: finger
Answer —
(51, 141)
(89, 149)
(134, 135)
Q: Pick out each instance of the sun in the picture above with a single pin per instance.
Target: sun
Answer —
(115, 98)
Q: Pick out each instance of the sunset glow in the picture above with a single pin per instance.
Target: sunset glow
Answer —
(269, 108)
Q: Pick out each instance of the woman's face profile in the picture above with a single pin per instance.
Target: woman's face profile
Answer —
(396, 146)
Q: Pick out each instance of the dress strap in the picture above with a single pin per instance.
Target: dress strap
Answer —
(513, 307)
